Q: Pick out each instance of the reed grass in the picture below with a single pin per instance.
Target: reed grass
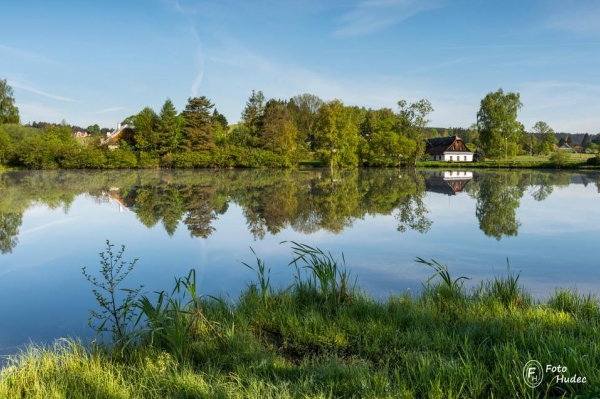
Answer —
(325, 338)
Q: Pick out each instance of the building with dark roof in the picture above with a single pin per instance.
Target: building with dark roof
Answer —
(448, 149)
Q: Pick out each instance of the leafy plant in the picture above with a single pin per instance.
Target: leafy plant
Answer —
(170, 321)
(115, 314)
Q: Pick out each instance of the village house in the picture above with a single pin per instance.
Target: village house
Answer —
(80, 134)
(448, 149)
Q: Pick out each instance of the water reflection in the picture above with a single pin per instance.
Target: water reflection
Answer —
(273, 200)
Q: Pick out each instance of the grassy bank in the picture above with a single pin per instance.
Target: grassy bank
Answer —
(322, 337)
(567, 161)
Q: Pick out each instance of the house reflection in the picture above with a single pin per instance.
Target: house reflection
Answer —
(447, 182)
(114, 195)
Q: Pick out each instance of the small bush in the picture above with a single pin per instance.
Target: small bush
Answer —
(594, 160)
(560, 158)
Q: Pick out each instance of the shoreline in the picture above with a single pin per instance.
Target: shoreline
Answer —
(324, 337)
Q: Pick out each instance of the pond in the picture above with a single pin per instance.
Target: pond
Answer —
(543, 224)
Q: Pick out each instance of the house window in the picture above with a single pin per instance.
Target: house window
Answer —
(450, 157)
(465, 158)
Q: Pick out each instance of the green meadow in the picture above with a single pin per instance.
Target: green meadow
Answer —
(320, 337)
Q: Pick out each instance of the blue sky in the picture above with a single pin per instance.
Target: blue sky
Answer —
(99, 62)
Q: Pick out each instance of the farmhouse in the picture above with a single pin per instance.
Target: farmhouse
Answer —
(449, 149)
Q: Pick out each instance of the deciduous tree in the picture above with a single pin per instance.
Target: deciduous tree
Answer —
(499, 129)
(146, 126)
(277, 132)
(307, 111)
(547, 138)
(9, 113)
(336, 135)
(412, 120)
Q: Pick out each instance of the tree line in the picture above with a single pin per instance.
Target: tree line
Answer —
(273, 132)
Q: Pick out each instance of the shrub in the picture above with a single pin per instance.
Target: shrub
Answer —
(121, 158)
(148, 160)
(594, 160)
(560, 158)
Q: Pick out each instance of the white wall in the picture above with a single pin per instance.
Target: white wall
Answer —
(453, 157)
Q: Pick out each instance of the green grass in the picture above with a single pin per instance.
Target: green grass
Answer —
(311, 162)
(323, 337)
(575, 161)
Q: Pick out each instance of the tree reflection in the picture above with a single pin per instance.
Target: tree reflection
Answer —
(412, 212)
(202, 205)
(497, 201)
(306, 201)
(9, 231)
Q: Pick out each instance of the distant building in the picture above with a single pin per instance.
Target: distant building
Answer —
(448, 149)
(80, 134)
(565, 147)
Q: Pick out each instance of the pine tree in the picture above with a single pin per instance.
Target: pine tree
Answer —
(197, 131)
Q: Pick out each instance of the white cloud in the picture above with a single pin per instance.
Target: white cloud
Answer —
(373, 15)
(35, 90)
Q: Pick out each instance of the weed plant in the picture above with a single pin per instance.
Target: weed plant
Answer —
(116, 313)
(324, 338)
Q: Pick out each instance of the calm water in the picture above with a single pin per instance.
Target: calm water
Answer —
(53, 223)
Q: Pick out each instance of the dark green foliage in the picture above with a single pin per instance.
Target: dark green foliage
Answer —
(197, 130)
(479, 155)
(169, 128)
(221, 119)
(5, 147)
(93, 129)
(594, 160)
(253, 112)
